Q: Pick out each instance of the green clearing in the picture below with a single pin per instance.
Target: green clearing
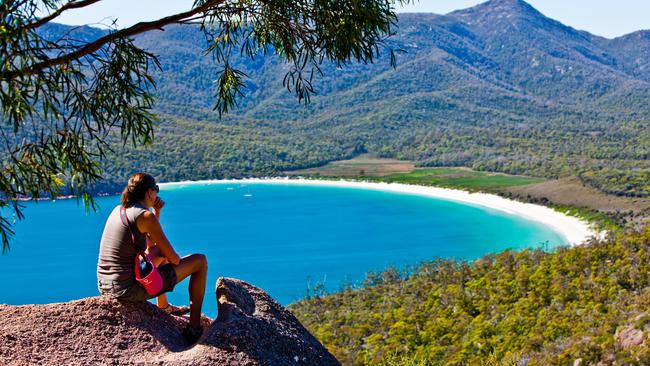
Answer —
(461, 178)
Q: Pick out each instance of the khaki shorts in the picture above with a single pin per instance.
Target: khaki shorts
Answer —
(132, 290)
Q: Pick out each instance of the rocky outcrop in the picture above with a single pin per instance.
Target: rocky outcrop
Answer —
(251, 329)
(634, 334)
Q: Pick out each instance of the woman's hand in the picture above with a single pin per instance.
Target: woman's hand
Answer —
(157, 206)
(175, 259)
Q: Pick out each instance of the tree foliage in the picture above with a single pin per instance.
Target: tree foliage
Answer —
(63, 99)
(529, 307)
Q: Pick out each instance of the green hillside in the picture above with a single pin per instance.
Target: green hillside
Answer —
(498, 87)
(528, 307)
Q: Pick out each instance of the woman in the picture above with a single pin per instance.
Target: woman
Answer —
(115, 267)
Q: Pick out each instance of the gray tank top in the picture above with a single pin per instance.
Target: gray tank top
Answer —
(116, 250)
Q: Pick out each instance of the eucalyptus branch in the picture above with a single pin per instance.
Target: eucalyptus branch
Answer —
(68, 6)
(97, 44)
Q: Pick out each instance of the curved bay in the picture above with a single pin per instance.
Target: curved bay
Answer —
(283, 239)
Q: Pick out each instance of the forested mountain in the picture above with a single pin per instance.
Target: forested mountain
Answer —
(495, 87)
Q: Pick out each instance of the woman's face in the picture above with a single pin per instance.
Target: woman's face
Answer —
(150, 196)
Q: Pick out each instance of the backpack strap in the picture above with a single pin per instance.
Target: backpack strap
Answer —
(127, 223)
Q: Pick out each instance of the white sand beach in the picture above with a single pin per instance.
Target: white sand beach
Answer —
(572, 229)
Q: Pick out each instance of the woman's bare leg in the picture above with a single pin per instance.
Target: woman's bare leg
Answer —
(195, 266)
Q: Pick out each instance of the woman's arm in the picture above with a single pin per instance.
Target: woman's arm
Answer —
(150, 243)
(148, 223)
(157, 210)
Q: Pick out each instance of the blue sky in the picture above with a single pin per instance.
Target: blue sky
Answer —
(608, 18)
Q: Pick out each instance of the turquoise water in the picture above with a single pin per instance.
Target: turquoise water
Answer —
(281, 238)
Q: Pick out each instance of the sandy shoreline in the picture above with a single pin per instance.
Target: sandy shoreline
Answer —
(572, 229)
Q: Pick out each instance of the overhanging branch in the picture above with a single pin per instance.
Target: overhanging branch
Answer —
(97, 44)
(68, 6)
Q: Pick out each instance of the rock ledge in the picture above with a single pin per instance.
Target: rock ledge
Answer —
(251, 329)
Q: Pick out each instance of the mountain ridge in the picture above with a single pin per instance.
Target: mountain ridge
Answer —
(460, 77)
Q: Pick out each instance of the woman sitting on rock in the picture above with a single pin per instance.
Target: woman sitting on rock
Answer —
(117, 251)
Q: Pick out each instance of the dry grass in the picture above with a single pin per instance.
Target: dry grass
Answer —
(360, 166)
(570, 191)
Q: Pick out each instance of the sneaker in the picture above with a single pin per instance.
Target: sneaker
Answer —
(192, 334)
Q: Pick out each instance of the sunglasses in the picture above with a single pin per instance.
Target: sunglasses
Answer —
(156, 188)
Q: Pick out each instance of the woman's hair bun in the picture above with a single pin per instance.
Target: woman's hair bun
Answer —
(136, 188)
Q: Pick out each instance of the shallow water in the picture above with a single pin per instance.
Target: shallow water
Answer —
(283, 239)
